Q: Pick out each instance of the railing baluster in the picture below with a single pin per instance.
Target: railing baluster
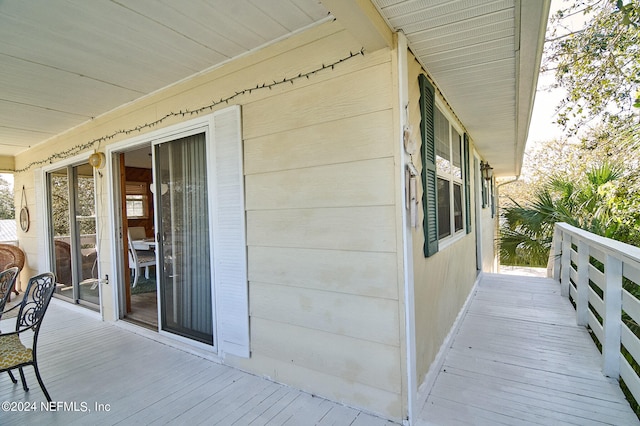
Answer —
(612, 317)
(615, 256)
(565, 269)
(582, 301)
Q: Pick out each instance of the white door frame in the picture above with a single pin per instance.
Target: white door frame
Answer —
(114, 216)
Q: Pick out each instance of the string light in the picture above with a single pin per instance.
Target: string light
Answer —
(183, 113)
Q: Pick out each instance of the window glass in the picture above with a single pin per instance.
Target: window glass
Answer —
(448, 145)
(457, 207)
(443, 155)
(444, 208)
(456, 153)
(137, 200)
(136, 206)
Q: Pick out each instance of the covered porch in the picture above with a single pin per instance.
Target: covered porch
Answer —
(517, 357)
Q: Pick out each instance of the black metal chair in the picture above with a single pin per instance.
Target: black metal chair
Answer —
(13, 353)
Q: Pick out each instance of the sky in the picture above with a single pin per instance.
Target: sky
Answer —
(8, 177)
(542, 126)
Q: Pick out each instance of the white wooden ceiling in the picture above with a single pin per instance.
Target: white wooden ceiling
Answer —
(484, 55)
(63, 62)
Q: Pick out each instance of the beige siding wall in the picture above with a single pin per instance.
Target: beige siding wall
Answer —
(325, 306)
(444, 280)
(321, 229)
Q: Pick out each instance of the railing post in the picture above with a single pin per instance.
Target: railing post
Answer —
(612, 317)
(557, 249)
(582, 300)
(565, 268)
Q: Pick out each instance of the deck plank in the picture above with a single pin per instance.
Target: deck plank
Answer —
(519, 358)
(144, 381)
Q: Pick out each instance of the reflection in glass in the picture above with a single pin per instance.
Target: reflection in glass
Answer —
(444, 208)
(457, 207)
(443, 156)
(59, 211)
(73, 229)
(86, 233)
(456, 140)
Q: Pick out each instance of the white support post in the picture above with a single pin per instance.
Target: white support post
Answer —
(565, 268)
(557, 249)
(612, 317)
(582, 301)
(553, 265)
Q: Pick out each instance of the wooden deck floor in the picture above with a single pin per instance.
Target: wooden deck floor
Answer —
(518, 358)
(86, 361)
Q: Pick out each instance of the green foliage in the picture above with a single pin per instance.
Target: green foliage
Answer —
(599, 202)
(598, 64)
(85, 207)
(7, 204)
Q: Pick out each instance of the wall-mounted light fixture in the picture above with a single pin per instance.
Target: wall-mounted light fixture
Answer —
(487, 170)
(97, 160)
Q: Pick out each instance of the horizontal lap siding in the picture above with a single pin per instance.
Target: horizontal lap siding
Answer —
(443, 281)
(369, 272)
(348, 228)
(321, 196)
(321, 235)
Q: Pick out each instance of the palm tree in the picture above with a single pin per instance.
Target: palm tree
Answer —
(526, 232)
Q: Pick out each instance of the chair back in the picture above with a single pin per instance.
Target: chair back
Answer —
(137, 232)
(7, 278)
(10, 256)
(35, 302)
(133, 255)
(63, 261)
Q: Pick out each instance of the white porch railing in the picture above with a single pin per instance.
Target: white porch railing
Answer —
(591, 270)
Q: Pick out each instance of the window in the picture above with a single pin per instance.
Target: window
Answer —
(137, 200)
(445, 173)
(449, 171)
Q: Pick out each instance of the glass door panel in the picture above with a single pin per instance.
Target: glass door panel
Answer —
(73, 230)
(58, 182)
(183, 238)
(85, 235)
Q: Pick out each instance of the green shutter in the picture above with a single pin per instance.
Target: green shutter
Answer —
(429, 174)
(467, 183)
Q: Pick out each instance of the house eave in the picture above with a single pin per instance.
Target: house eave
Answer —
(484, 57)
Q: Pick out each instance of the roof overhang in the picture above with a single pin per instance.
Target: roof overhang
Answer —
(67, 62)
(484, 56)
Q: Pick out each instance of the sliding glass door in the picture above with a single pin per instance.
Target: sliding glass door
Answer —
(72, 242)
(184, 252)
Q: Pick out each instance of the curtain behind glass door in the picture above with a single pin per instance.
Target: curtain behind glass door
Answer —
(183, 227)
